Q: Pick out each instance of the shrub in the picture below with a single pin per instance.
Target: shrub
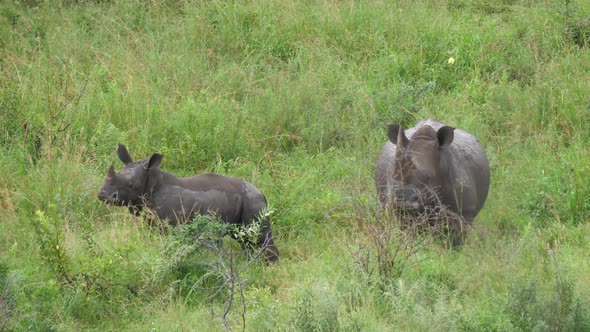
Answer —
(198, 259)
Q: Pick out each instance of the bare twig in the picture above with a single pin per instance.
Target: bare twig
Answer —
(226, 266)
(385, 245)
(61, 117)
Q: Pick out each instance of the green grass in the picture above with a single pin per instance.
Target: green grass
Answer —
(295, 98)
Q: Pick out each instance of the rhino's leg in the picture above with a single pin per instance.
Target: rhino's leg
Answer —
(459, 232)
(135, 210)
(267, 243)
(264, 241)
(254, 209)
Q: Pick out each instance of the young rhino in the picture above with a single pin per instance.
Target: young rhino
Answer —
(433, 166)
(143, 183)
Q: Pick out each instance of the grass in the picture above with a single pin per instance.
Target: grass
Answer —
(295, 98)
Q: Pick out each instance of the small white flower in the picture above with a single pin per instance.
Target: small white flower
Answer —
(451, 61)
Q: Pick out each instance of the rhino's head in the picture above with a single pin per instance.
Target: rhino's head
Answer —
(421, 170)
(132, 183)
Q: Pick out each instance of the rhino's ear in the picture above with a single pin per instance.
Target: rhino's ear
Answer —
(155, 161)
(445, 136)
(397, 135)
(111, 174)
(124, 154)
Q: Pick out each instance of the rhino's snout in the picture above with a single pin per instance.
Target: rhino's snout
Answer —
(407, 199)
(105, 196)
(408, 204)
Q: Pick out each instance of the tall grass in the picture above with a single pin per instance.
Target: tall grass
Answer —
(294, 97)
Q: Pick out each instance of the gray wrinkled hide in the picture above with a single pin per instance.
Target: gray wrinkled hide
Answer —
(456, 175)
(143, 184)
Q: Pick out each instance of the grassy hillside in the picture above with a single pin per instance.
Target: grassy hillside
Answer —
(294, 97)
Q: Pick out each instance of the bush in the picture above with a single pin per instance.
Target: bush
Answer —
(197, 259)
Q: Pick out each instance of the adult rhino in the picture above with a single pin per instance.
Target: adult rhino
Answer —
(431, 167)
(143, 184)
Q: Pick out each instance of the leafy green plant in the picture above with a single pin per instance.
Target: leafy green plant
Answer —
(92, 282)
(50, 240)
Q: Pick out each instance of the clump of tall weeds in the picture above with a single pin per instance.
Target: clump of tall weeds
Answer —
(388, 240)
(382, 246)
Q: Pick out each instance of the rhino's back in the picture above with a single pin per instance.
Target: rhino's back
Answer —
(470, 170)
(212, 181)
(226, 193)
(179, 204)
(233, 199)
